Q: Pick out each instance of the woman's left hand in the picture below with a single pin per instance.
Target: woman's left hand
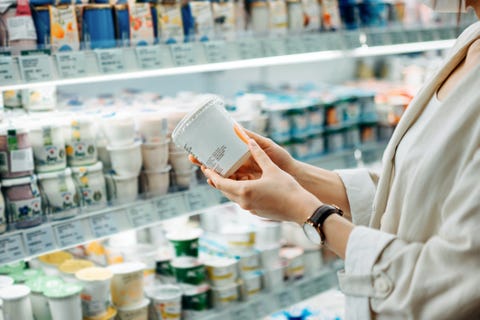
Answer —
(274, 194)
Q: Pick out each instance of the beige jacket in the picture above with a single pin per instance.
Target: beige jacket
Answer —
(420, 258)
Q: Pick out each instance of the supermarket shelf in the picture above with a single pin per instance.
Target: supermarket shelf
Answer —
(266, 303)
(26, 243)
(80, 67)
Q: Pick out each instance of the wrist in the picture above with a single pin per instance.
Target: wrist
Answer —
(307, 207)
(294, 168)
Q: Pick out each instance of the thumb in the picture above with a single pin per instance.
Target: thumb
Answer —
(260, 157)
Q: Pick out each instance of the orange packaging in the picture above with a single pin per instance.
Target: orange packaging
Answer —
(64, 28)
(141, 24)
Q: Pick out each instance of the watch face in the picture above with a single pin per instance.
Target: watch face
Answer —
(312, 233)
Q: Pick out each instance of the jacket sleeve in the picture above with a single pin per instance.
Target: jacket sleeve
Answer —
(438, 279)
(361, 185)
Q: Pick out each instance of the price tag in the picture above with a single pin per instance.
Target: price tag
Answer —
(333, 41)
(6, 70)
(183, 54)
(11, 248)
(311, 43)
(249, 49)
(215, 51)
(285, 298)
(242, 313)
(103, 224)
(35, 65)
(352, 40)
(39, 240)
(428, 35)
(398, 37)
(110, 60)
(141, 215)
(172, 206)
(149, 57)
(71, 64)
(412, 35)
(308, 289)
(198, 199)
(294, 45)
(70, 233)
(377, 38)
(274, 47)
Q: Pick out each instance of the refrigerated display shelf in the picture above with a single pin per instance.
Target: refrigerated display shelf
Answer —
(40, 68)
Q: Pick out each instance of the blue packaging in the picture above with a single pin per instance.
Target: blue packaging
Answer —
(41, 19)
(153, 10)
(122, 23)
(41, 2)
(188, 23)
(373, 13)
(349, 14)
(98, 26)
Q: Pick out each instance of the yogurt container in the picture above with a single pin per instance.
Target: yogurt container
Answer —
(295, 262)
(23, 202)
(80, 142)
(61, 195)
(221, 147)
(248, 261)
(267, 233)
(221, 272)
(153, 126)
(126, 160)
(96, 291)
(180, 161)
(251, 284)
(6, 281)
(25, 275)
(109, 315)
(238, 238)
(122, 189)
(69, 267)
(225, 295)
(64, 301)
(119, 130)
(188, 270)
(48, 144)
(91, 183)
(185, 242)
(274, 276)
(195, 299)
(138, 311)
(167, 301)
(41, 310)
(270, 256)
(39, 99)
(155, 155)
(16, 302)
(170, 22)
(156, 182)
(15, 153)
(51, 261)
(127, 284)
(12, 99)
(186, 179)
(259, 17)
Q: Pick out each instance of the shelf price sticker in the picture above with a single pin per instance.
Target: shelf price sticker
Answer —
(428, 35)
(6, 70)
(378, 38)
(70, 233)
(110, 60)
(294, 45)
(39, 240)
(35, 65)
(311, 43)
(198, 199)
(171, 206)
(398, 37)
(103, 224)
(274, 47)
(183, 54)
(215, 51)
(149, 57)
(71, 64)
(11, 248)
(141, 215)
(249, 49)
(242, 313)
(412, 35)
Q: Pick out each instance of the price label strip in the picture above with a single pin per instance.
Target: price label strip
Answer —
(110, 61)
(412, 35)
(149, 57)
(103, 225)
(377, 38)
(141, 215)
(294, 45)
(274, 47)
(35, 65)
(70, 233)
(398, 37)
(215, 51)
(311, 43)
(446, 33)
(39, 240)
(428, 35)
(6, 70)
(11, 248)
(333, 41)
(183, 54)
(71, 64)
(242, 313)
(198, 199)
(352, 40)
(172, 206)
(249, 49)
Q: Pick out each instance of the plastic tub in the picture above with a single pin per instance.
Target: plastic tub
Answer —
(185, 242)
(238, 238)
(137, 311)
(48, 144)
(222, 271)
(96, 291)
(127, 160)
(225, 295)
(80, 142)
(153, 127)
(64, 301)
(16, 302)
(188, 270)
(127, 284)
(91, 182)
(166, 301)
(69, 267)
(122, 189)
(180, 161)
(40, 99)
(155, 155)
(185, 179)
(156, 182)
(119, 130)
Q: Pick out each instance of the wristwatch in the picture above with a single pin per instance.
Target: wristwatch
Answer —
(313, 226)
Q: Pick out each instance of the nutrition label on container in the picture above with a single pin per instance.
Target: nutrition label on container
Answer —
(103, 225)
(149, 57)
(110, 61)
(39, 240)
(70, 233)
(11, 248)
(6, 70)
(141, 215)
(35, 65)
(71, 64)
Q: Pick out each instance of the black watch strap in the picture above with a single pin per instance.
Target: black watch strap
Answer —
(320, 215)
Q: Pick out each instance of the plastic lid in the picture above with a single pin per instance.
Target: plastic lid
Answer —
(85, 169)
(25, 275)
(220, 262)
(73, 265)
(145, 302)
(55, 174)
(127, 267)
(185, 262)
(14, 292)
(94, 274)
(56, 258)
(184, 235)
(63, 291)
(12, 267)
(38, 284)
(19, 181)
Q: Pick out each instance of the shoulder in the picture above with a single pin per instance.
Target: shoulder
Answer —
(470, 33)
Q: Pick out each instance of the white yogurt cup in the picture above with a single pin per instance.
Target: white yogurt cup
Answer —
(127, 284)
(137, 311)
(122, 189)
(267, 232)
(167, 301)
(213, 137)
(270, 256)
(313, 261)
(96, 290)
(248, 261)
(252, 284)
(225, 295)
(48, 144)
(16, 302)
(296, 265)
(126, 160)
(180, 161)
(155, 155)
(64, 301)
(185, 180)
(41, 310)
(239, 238)
(153, 127)
(156, 182)
(274, 276)
(221, 272)
(5, 281)
(119, 130)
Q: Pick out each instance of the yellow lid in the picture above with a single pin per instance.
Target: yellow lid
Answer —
(73, 265)
(56, 258)
(111, 313)
(94, 274)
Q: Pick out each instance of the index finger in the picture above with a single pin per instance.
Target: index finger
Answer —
(261, 140)
(194, 160)
(223, 184)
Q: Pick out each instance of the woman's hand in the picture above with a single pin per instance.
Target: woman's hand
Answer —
(269, 192)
